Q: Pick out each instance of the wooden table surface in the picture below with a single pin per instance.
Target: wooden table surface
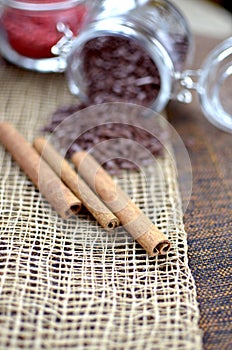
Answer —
(208, 218)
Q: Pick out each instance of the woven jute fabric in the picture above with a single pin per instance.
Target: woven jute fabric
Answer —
(208, 217)
(69, 284)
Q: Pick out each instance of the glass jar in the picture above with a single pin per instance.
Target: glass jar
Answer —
(30, 28)
(129, 49)
(138, 51)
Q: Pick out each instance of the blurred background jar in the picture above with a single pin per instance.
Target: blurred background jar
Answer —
(29, 29)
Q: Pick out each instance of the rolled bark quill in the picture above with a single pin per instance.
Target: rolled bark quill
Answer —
(131, 217)
(51, 187)
(69, 176)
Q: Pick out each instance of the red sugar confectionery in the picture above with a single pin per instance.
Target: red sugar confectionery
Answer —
(32, 33)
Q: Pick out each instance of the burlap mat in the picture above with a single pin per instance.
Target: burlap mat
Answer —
(69, 284)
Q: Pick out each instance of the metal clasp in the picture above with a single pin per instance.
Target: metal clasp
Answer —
(63, 46)
(184, 82)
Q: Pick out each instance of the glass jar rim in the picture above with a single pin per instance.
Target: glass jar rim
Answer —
(218, 66)
(36, 6)
(157, 52)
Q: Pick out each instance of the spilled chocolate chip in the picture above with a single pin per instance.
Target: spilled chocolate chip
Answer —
(116, 69)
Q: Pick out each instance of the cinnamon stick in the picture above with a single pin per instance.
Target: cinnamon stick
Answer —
(69, 176)
(43, 177)
(130, 216)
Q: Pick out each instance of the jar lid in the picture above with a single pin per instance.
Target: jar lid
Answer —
(215, 86)
(41, 5)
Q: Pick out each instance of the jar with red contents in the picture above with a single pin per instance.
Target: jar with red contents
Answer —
(30, 28)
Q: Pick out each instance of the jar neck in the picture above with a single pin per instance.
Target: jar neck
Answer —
(152, 46)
